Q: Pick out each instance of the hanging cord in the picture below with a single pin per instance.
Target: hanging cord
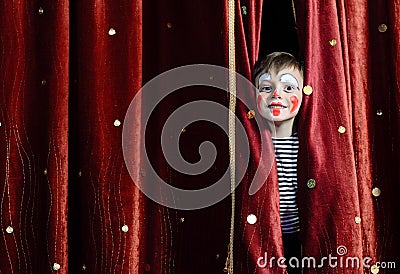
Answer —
(231, 126)
(294, 12)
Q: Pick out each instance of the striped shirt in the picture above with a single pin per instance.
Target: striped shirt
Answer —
(286, 158)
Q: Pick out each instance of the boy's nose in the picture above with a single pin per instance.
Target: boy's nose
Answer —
(276, 93)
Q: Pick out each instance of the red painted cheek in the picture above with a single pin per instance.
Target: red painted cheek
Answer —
(276, 112)
(295, 102)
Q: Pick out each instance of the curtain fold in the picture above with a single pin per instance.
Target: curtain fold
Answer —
(252, 241)
(347, 131)
(195, 32)
(108, 209)
(34, 136)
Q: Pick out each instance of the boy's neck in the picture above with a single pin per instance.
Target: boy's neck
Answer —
(283, 129)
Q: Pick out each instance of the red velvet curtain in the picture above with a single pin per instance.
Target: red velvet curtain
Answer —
(349, 130)
(34, 147)
(69, 71)
(349, 140)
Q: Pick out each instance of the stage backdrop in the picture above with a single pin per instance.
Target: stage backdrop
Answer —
(69, 70)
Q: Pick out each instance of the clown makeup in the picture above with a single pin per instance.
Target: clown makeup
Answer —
(276, 112)
(264, 77)
(279, 94)
(295, 103)
(289, 78)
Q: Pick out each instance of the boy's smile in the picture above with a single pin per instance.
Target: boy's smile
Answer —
(279, 94)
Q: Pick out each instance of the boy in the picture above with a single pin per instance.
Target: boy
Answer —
(279, 81)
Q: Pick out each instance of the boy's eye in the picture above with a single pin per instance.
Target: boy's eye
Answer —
(266, 89)
(289, 88)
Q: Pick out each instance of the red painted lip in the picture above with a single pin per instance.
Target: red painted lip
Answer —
(279, 104)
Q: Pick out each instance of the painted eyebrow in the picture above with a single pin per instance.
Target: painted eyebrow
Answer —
(289, 78)
(263, 77)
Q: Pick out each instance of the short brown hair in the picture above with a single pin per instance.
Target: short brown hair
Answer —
(276, 61)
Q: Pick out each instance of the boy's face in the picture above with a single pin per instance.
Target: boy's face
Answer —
(279, 94)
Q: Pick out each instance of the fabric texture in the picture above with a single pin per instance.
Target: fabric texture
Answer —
(347, 174)
(349, 126)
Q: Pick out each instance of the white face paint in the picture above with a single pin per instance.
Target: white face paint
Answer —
(279, 95)
(288, 78)
(264, 77)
